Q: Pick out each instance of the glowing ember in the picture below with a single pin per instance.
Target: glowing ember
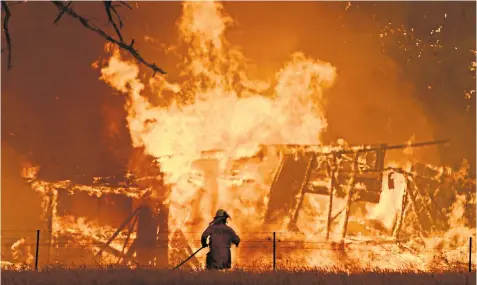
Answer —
(30, 171)
(22, 251)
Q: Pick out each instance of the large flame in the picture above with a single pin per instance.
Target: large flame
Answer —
(228, 111)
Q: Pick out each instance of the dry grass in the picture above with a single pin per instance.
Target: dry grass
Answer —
(112, 276)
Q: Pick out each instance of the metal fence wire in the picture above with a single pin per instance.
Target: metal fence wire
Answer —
(35, 249)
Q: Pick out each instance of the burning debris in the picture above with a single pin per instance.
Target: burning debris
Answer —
(22, 251)
(379, 208)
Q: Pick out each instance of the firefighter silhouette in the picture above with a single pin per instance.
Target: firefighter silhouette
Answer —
(221, 237)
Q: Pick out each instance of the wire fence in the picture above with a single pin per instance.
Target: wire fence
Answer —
(36, 249)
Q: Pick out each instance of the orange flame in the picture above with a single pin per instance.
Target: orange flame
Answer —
(221, 116)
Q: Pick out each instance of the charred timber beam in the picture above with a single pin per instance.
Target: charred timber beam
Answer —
(421, 144)
(146, 238)
(337, 214)
(288, 180)
(309, 168)
(424, 216)
(350, 195)
(321, 149)
(131, 228)
(412, 198)
(380, 161)
(49, 221)
(162, 258)
(402, 213)
(277, 172)
(122, 257)
(360, 194)
(331, 194)
(121, 227)
(129, 254)
(184, 245)
(106, 248)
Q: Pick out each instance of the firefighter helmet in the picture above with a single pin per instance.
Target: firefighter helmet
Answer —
(221, 214)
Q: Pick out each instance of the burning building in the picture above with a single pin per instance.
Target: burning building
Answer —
(233, 145)
(127, 221)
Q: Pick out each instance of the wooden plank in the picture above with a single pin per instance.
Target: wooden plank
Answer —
(349, 197)
(310, 166)
(334, 167)
(282, 199)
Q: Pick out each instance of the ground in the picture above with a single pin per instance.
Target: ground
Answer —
(146, 277)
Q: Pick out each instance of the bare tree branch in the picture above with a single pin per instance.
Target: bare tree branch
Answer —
(62, 13)
(125, 4)
(110, 10)
(6, 20)
(65, 9)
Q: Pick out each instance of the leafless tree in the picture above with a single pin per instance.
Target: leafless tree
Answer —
(66, 8)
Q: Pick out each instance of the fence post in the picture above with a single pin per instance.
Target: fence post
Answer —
(470, 254)
(274, 252)
(37, 247)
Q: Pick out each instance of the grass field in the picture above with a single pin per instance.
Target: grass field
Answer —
(236, 277)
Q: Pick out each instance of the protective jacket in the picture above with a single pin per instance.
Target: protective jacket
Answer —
(221, 237)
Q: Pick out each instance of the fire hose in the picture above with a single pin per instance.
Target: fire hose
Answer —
(187, 259)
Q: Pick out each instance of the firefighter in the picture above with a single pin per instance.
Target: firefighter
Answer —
(221, 237)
